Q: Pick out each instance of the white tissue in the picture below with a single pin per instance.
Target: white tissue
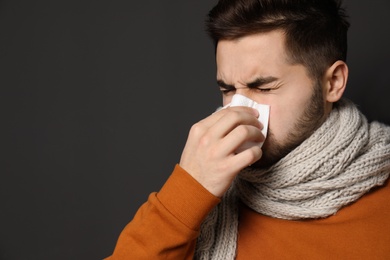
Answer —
(240, 100)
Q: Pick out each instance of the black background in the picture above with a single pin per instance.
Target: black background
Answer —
(97, 98)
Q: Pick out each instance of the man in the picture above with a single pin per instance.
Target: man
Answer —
(316, 189)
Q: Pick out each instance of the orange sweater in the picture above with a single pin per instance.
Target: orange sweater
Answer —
(167, 225)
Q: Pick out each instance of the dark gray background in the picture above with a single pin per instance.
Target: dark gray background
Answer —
(96, 100)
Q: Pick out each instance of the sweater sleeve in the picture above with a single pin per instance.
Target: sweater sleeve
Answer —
(167, 225)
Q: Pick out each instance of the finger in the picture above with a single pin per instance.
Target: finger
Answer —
(239, 136)
(215, 117)
(232, 119)
(245, 158)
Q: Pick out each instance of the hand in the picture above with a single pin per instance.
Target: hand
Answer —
(210, 152)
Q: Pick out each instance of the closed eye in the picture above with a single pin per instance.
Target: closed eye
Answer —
(227, 90)
(264, 89)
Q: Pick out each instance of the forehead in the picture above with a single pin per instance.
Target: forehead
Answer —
(263, 52)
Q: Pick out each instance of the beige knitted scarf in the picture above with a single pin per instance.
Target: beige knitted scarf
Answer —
(341, 161)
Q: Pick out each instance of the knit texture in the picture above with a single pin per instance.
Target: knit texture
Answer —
(340, 162)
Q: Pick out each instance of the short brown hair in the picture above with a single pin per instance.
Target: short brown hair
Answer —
(316, 30)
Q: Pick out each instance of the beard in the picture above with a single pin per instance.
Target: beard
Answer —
(313, 116)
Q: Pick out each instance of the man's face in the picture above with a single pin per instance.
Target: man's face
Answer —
(256, 66)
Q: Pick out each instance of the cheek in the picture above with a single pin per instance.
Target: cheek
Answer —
(280, 122)
(283, 118)
(226, 100)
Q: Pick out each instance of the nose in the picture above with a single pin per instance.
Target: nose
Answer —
(245, 91)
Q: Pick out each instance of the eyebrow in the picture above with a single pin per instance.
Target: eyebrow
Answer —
(224, 85)
(254, 84)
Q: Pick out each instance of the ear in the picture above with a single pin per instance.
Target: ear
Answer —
(336, 81)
